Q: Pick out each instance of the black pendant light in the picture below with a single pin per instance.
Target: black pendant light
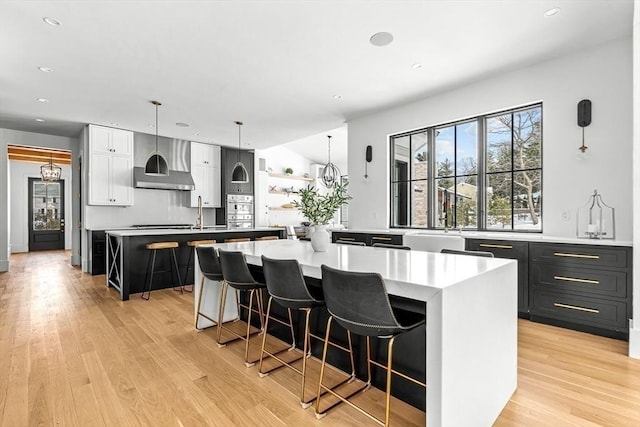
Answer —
(239, 174)
(330, 173)
(156, 165)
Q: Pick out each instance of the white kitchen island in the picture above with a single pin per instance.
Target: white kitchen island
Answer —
(471, 328)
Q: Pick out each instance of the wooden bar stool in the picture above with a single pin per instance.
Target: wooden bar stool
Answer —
(267, 238)
(155, 247)
(191, 245)
(236, 240)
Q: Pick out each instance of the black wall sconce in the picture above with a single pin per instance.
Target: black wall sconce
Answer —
(368, 156)
(584, 119)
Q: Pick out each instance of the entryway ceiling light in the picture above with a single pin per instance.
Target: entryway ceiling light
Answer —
(50, 172)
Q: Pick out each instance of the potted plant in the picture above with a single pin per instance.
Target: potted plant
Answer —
(319, 209)
(288, 171)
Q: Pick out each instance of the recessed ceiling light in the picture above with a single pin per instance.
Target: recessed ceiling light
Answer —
(151, 125)
(416, 66)
(43, 100)
(45, 69)
(552, 11)
(52, 21)
(196, 134)
(39, 120)
(114, 124)
(381, 39)
(182, 125)
(337, 96)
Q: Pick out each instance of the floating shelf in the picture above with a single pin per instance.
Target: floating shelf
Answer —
(297, 177)
(295, 193)
(280, 208)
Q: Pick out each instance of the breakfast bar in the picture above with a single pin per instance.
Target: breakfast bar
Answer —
(471, 311)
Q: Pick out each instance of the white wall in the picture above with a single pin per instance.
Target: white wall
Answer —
(14, 137)
(20, 172)
(634, 333)
(602, 74)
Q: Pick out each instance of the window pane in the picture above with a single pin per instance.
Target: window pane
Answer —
(401, 157)
(527, 203)
(467, 148)
(499, 143)
(419, 155)
(466, 202)
(499, 201)
(46, 206)
(526, 138)
(444, 202)
(419, 214)
(444, 151)
(400, 204)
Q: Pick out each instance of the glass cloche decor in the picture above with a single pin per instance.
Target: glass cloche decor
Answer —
(596, 220)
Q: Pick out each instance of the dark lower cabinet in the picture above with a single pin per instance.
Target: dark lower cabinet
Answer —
(511, 250)
(367, 238)
(98, 248)
(583, 287)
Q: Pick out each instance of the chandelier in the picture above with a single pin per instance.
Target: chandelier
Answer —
(330, 172)
(50, 172)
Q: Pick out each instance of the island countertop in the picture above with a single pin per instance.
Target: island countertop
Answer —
(130, 232)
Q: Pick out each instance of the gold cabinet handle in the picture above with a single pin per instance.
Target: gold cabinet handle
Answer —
(381, 238)
(566, 255)
(346, 238)
(575, 307)
(491, 245)
(573, 279)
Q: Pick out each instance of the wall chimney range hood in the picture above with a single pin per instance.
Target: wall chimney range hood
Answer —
(175, 180)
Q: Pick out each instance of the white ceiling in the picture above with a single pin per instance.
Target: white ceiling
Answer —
(276, 65)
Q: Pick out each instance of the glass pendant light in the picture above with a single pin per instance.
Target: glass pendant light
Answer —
(50, 172)
(156, 164)
(330, 172)
(239, 174)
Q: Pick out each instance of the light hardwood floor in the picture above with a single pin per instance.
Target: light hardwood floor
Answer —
(72, 354)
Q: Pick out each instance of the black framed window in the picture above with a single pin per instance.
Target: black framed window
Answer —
(482, 173)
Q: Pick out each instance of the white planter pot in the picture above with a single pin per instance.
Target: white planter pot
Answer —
(320, 238)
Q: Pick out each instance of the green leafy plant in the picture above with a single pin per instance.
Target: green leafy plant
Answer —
(288, 171)
(320, 208)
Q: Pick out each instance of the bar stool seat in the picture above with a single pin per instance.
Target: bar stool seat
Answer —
(268, 238)
(238, 239)
(155, 247)
(191, 244)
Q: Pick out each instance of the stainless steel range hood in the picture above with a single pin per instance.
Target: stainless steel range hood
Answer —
(176, 180)
(174, 151)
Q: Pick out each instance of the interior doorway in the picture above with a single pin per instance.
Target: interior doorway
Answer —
(46, 215)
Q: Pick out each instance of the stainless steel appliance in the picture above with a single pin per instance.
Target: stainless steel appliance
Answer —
(239, 211)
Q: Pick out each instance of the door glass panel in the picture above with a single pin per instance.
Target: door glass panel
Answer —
(46, 206)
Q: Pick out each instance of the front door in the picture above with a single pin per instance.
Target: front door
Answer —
(46, 215)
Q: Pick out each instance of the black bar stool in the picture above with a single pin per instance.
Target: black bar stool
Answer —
(155, 247)
(237, 275)
(287, 287)
(191, 244)
(210, 267)
(359, 302)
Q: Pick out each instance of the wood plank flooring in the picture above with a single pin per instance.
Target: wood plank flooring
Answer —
(72, 354)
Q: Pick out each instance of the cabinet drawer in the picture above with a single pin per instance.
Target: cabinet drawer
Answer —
(580, 309)
(389, 239)
(586, 255)
(500, 248)
(585, 281)
(350, 237)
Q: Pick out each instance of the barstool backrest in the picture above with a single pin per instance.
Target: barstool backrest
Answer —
(209, 263)
(465, 252)
(235, 269)
(359, 302)
(285, 283)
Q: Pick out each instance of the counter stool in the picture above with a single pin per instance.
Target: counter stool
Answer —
(267, 238)
(287, 287)
(155, 247)
(239, 239)
(236, 274)
(359, 302)
(191, 244)
(210, 267)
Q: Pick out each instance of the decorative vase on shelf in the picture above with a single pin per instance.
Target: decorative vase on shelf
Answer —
(320, 238)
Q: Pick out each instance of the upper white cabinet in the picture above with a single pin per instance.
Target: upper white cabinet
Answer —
(205, 170)
(110, 166)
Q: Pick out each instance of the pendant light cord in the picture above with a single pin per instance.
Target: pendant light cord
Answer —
(157, 157)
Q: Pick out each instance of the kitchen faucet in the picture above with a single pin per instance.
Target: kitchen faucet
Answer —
(199, 223)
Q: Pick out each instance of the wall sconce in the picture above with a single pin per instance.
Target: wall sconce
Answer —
(584, 120)
(368, 156)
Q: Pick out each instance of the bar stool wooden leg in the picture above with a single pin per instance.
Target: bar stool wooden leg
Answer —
(150, 270)
(175, 262)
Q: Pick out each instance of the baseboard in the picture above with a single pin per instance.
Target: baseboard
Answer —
(75, 259)
(634, 341)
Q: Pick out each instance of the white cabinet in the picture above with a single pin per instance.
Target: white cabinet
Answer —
(205, 170)
(110, 166)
